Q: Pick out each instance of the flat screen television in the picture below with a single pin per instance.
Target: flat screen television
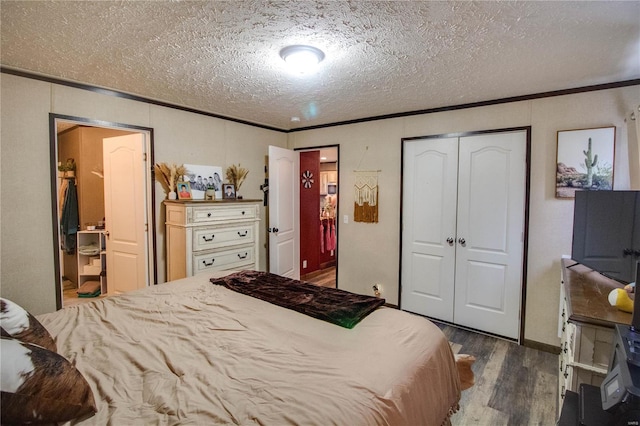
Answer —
(606, 232)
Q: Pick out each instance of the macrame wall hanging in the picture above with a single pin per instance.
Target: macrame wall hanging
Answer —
(365, 196)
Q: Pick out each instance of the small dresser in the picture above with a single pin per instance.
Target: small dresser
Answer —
(586, 327)
(211, 235)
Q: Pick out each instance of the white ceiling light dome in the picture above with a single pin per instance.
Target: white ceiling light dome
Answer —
(302, 58)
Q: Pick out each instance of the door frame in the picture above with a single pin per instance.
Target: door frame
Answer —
(527, 193)
(336, 221)
(152, 263)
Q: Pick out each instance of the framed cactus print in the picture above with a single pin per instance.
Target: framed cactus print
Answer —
(585, 160)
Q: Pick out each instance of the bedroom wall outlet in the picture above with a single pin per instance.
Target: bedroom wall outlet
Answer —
(377, 290)
(304, 264)
(346, 218)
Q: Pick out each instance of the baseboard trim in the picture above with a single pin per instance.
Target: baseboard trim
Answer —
(541, 346)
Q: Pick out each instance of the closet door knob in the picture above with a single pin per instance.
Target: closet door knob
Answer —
(450, 241)
(462, 241)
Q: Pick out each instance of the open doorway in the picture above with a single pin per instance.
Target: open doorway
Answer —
(318, 215)
(82, 172)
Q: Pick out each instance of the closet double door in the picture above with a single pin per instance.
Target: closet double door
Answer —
(463, 214)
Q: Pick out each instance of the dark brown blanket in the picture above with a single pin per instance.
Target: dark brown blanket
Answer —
(328, 304)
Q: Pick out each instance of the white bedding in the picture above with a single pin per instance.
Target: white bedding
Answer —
(189, 352)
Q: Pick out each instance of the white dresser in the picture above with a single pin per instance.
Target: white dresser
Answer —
(585, 327)
(211, 235)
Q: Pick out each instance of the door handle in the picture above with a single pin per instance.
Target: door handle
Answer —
(106, 234)
(274, 230)
(450, 241)
(462, 241)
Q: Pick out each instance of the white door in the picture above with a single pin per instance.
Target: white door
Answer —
(125, 212)
(430, 173)
(284, 212)
(463, 230)
(490, 232)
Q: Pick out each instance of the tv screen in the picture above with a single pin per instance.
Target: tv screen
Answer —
(606, 232)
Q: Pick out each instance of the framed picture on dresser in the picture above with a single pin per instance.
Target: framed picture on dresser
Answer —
(184, 190)
(228, 191)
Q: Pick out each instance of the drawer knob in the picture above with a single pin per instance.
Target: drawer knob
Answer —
(204, 237)
(243, 212)
(243, 234)
(208, 214)
(243, 257)
(204, 262)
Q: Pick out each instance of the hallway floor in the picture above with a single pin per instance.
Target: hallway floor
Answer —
(323, 277)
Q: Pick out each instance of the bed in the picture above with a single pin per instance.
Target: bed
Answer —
(191, 352)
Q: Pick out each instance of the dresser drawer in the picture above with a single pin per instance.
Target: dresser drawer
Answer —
(212, 237)
(223, 213)
(227, 259)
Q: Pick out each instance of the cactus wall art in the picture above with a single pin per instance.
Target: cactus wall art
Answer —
(585, 160)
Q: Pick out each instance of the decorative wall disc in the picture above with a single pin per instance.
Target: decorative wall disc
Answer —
(307, 179)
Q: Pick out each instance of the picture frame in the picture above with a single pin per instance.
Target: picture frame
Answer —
(228, 191)
(203, 177)
(585, 160)
(184, 190)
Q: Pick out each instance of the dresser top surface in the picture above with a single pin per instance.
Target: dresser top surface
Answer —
(587, 294)
(211, 202)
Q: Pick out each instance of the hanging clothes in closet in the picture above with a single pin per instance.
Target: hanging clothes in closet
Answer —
(327, 235)
(69, 220)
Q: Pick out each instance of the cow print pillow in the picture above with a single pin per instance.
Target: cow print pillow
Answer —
(18, 323)
(40, 386)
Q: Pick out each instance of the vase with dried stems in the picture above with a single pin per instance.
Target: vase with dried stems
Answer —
(236, 175)
(168, 175)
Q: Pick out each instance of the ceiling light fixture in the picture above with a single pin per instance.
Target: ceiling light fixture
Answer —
(302, 58)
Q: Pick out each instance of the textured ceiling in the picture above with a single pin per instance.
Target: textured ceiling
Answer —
(381, 57)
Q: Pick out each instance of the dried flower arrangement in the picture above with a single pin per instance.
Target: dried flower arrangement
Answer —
(168, 175)
(236, 175)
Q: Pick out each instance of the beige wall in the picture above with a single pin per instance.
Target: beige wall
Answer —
(26, 241)
(369, 253)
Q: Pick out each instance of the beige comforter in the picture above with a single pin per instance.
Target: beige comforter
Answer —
(188, 352)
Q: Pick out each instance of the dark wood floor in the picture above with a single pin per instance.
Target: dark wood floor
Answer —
(514, 385)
